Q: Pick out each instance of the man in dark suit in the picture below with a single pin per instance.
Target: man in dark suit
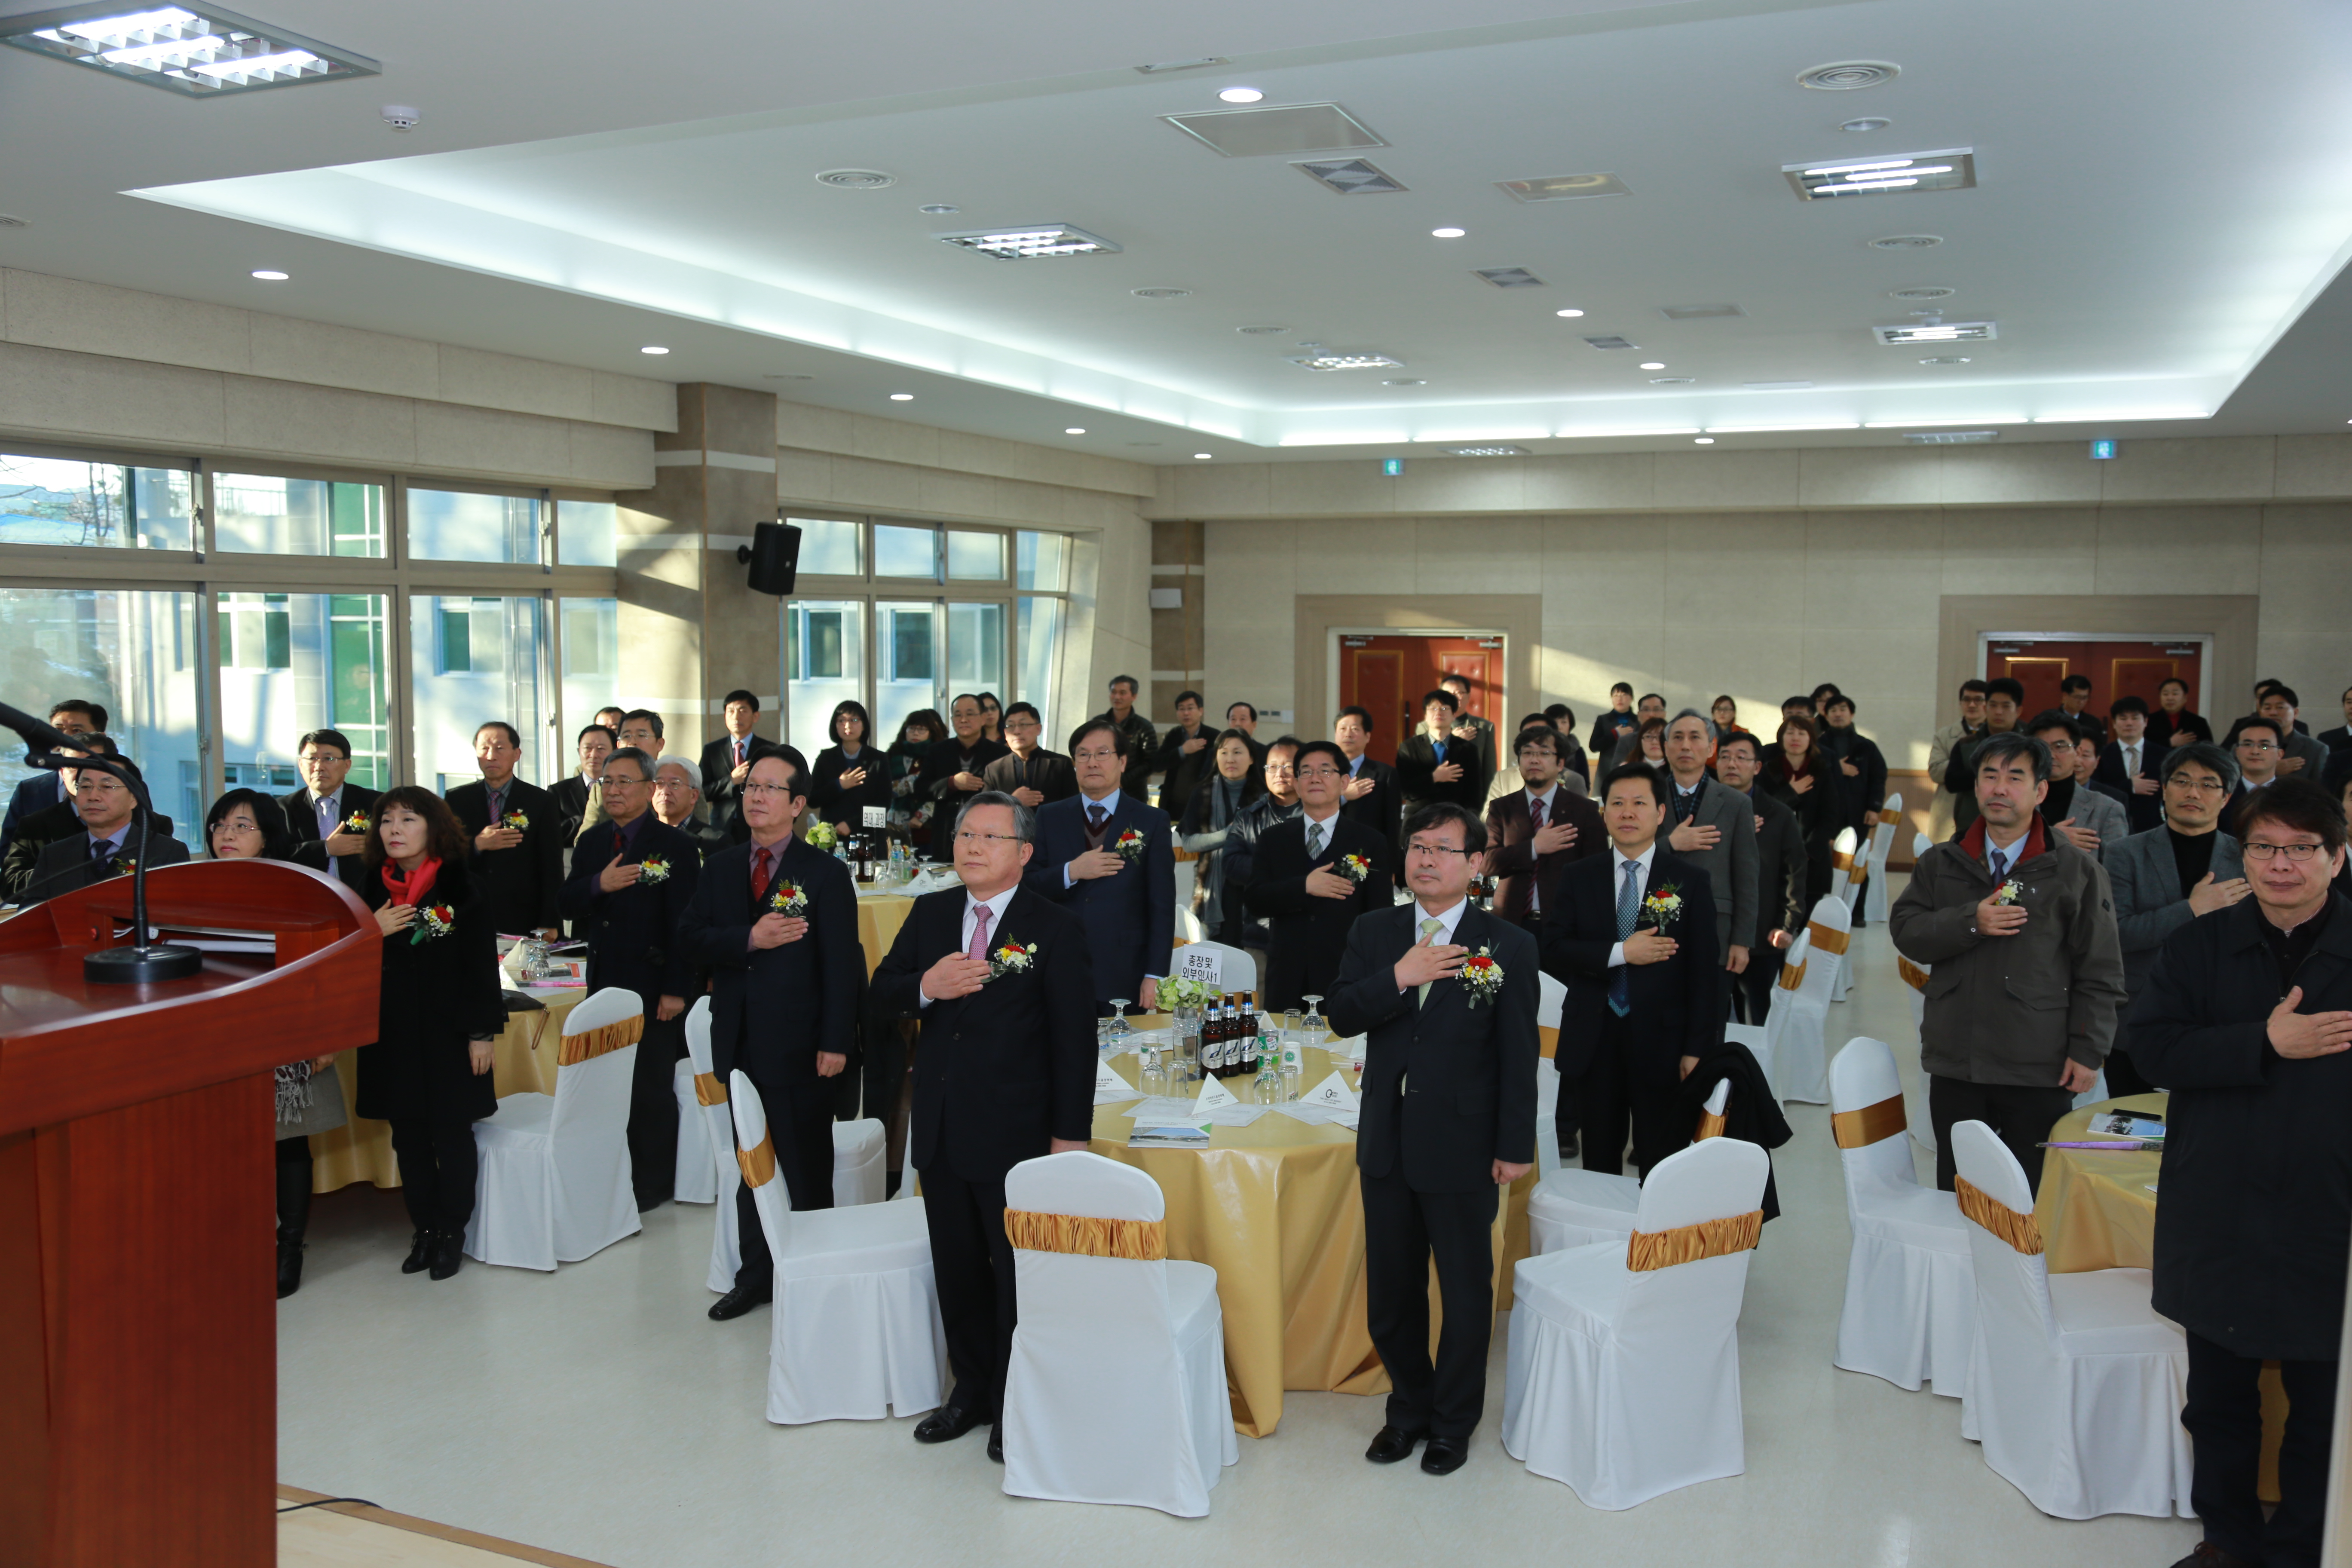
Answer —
(323, 811)
(1432, 764)
(1002, 981)
(1539, 830)
(1184, 756)
(1446, 995)
(44, 828)
(47, 788)
(775, 922)
(596, 742)
(1632, 935)
(2131, 765)
(1714, 830)
(1029, 773)
(952, 768)
(677, 794)
(727, 760)
(1300, 879)
(1470, 727)
(108, 845)
(2335, 740)
(1370, 794)
(518, 835)
(1780, 909)
(631, 879)
(1106, 857)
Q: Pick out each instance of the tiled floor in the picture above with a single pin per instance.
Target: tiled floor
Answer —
(596, 1411)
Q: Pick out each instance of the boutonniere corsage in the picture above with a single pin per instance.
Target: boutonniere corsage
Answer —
(1129, 845)
(357, 822)
(1011, 958)
(1482, 976)
(1355, 867)
(124, 864)
(432, 921)
(650, 871)
(788, 899)
(516, 820)
(2008, 892)
(1663, 906)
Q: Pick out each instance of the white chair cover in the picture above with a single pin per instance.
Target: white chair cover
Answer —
(554, 1185)
(857, 1168)
(1874, 903)
(1576, 1208)
(854, 1334)
(1910, 1311)
(1116, 1392)
(1237, 971)
(1551, 997)
(726, 1239)
(1757, 1038)
(693, 1182)
(1920, 844)
(2076, 1385)
(1799, 1018)
(1625, 1384)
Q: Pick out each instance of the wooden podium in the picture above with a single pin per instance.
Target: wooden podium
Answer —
(138, 1296)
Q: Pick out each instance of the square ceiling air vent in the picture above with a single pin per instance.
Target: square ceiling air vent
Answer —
(1944, 332)
(1510, 277)
(1365, 360)
(1275, 128)
(1698, 313)
(1348, 177)
(1949, 438)
(1953, 169)
(1563, 188)
(1023, 244)
(1611, 343)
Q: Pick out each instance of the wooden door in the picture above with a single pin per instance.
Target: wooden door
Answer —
(1389, 675)
(2116, 669)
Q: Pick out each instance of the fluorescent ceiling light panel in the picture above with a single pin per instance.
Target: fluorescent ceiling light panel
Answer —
(1486, 435)
(198, 51)
(1346, 362)
(1698, 313)
(2120, 417)
(1950, 437)
(1953, 169)
(1563, 188)
(1926, 424)
(1024, 244)
(1596, 435)
(1345, 439)
(1944, 332)
(1268, 128)
(1510, 277)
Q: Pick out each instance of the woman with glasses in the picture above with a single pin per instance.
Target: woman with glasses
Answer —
(1209, 816)
(850, 775)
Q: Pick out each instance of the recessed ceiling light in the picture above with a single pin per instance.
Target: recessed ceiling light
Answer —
(1943, 332)
(1200, 457)
(1074, 430)
(1572, 315)
(1242, 95)
(1563, 188)
(1024, 244)
(902, 398)
(1653, 364)
(1447, 232)
(1952, 169)
(1867, 124)
(1702, 440)
(1362, 361)
(198, 50)
(856, 179)
(939, 209)
(652, 349)
(1845, 76)
(270, 274)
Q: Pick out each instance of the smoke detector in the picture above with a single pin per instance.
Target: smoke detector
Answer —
(1846, 76)
(401, 116)
(856, 179)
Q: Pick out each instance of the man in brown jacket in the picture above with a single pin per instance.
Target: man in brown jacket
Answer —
(2029, 972)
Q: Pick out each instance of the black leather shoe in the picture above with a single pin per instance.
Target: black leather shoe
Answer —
(2209, 1555)
(449, 1252)
(945, 1424)
(1391, 1444)
(290, 1268)
(1444, 1456)
(736, 1303)
(996, 1441)
(420, 1253)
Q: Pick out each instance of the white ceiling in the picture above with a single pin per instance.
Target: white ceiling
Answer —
(2159, 202)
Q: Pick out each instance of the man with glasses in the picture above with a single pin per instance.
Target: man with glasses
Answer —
(2163, 879)
(323, 811)
(2089, 819)
(1280, 803)
(108, 844)
(678, 790)
(1001, 980)
(595, 744)
(2247, 1019)
(2258, 745)
(774, 923)
(2133, 765)
(1108, 858)
(516, 827)
(631, 879)
(1537, 830)
(2298, 750)
(1029, 773)
(1311, 876)
(47, 788)
(953, 767)
(2004, 699)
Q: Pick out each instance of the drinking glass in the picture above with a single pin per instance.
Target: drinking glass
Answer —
(1151, 1077)
(1119, 1028)
(1313, 1023)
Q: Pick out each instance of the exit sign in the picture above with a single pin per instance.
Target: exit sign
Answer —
(2103, 449)
(1394, 468)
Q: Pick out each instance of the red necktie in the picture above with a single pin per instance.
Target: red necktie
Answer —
(762, 864)
(1535, 811)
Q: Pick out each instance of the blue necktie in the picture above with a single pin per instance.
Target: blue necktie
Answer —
(1629, 909)
(1440, 748)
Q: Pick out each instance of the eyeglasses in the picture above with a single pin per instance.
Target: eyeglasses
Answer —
(1094, 756)
(612, 782)
(2258, 745)
(965, 836)
(1281, 770)
(2300, 854)
(1317, 773)
(2196, 786)
(767, 791)
(1417, 848)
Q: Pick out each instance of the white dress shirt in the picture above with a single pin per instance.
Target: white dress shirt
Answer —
(1308, 823)
(996, 907)
(1447, 919)
(1638, 868)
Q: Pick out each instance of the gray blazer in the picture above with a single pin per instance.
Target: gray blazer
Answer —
(1730, 866)
(2149, 905)
(2102, 814)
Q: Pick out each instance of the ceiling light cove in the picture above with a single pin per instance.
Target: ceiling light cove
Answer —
(902, 398)
(1953, 169)
(1036, 241)
(200, 51)
(270, 274)
(652, 349)
(1942, 333)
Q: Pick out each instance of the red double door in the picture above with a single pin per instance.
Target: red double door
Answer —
(2116, 669)
(1389, 676)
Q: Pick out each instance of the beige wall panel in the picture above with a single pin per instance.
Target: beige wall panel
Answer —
(811, 428)
(2312, 465)
(2024, 551)
(894, 441)
(1603, 482)
(1360, 555)
(481, 441)
(881, 486)
(1457, 484)
(1870, 476)
(804, 476)
(70, 396)
(1716, 478)
(1478, 555)
(2216, 467)
(1309, 490)
(2039, 473)
(2180, 550)
(633, 401)
(487, 380)
(324, 424)
(94, 319)
(285, 348)
(609, 456)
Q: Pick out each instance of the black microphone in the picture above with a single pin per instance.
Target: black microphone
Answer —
(38, 736)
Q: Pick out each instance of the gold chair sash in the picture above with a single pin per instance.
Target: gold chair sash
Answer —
(758, 1162)
(1645, 1250)
(708, 1089)
(1841, 859)
(1792, 975)
(1138, 1240)
(1548, 1041)
(1709, 1126)
(1861, 872)
(1860, 1129)
(589, 1043)
(2022, 1231)
(1912, 975)
(1827, 939)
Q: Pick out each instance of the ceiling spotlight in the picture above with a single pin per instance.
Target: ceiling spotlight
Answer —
(1702, 440)
(1204, 457)
(1413, 382)
(902, 398)
(1653, 364)
(1447, 232)
(1572, 315)
(939, 209)
(1074, 430)
(1867, 124)
(649, 349)
(199, 50)
(1241, 95)
(268, 275)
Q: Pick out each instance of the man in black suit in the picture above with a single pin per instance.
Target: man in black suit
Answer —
(47, 788)
(1302, 880)
(2132, 765)
(952, 768)
(323, 813)
(2335, 740)
(1446, 995)
(1029, 773)
(1003, 985)
(727, 760)
(1108, 858)
(1780, 907)
(1371, 795)
(775, 922)
(1539, 830)
(1184, 756)
(596, 742)
(518, 835)
(47, 825)
(1434, 764)
(631, 879)
(1632, 935)
(108, 845)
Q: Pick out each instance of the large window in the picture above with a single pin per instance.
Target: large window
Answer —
(825, 664)
(59, 501)
(269, 514)
(301, 662)
(464, 526)
(473, 657)
(134, 654)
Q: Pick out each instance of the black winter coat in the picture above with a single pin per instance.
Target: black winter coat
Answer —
(1751, 1114)
(438, 993)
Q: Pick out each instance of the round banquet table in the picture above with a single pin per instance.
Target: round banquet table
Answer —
(1273, 1208)
(879, 916)
(2098, 1211)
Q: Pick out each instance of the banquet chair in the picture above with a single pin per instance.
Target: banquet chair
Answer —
(1237, 971)
(1848, 862)
(1576, 1208)
(1189, 929)
(1910, 1307)
(553, 1182)
(1622, 1376)
(1874, 903)
(1115, 1391)
(1906, 1053)
(2075, 1385)
(694, 1181)
(1757, 1038)
(1920, 844)
(710, 1098)
(1798, 1021)
(858, 1150)
(856, 1332)
(1551, 997)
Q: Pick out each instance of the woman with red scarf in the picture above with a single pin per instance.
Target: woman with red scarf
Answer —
(1797, 776)
(428, 1072)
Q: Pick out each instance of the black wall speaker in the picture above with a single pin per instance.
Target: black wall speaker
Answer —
(774, 555)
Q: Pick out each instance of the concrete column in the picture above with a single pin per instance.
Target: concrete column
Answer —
(1179, 651)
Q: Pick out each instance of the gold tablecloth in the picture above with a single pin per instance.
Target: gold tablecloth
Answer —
(1275, 1209)
(2095, 1212)
(879, 916)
